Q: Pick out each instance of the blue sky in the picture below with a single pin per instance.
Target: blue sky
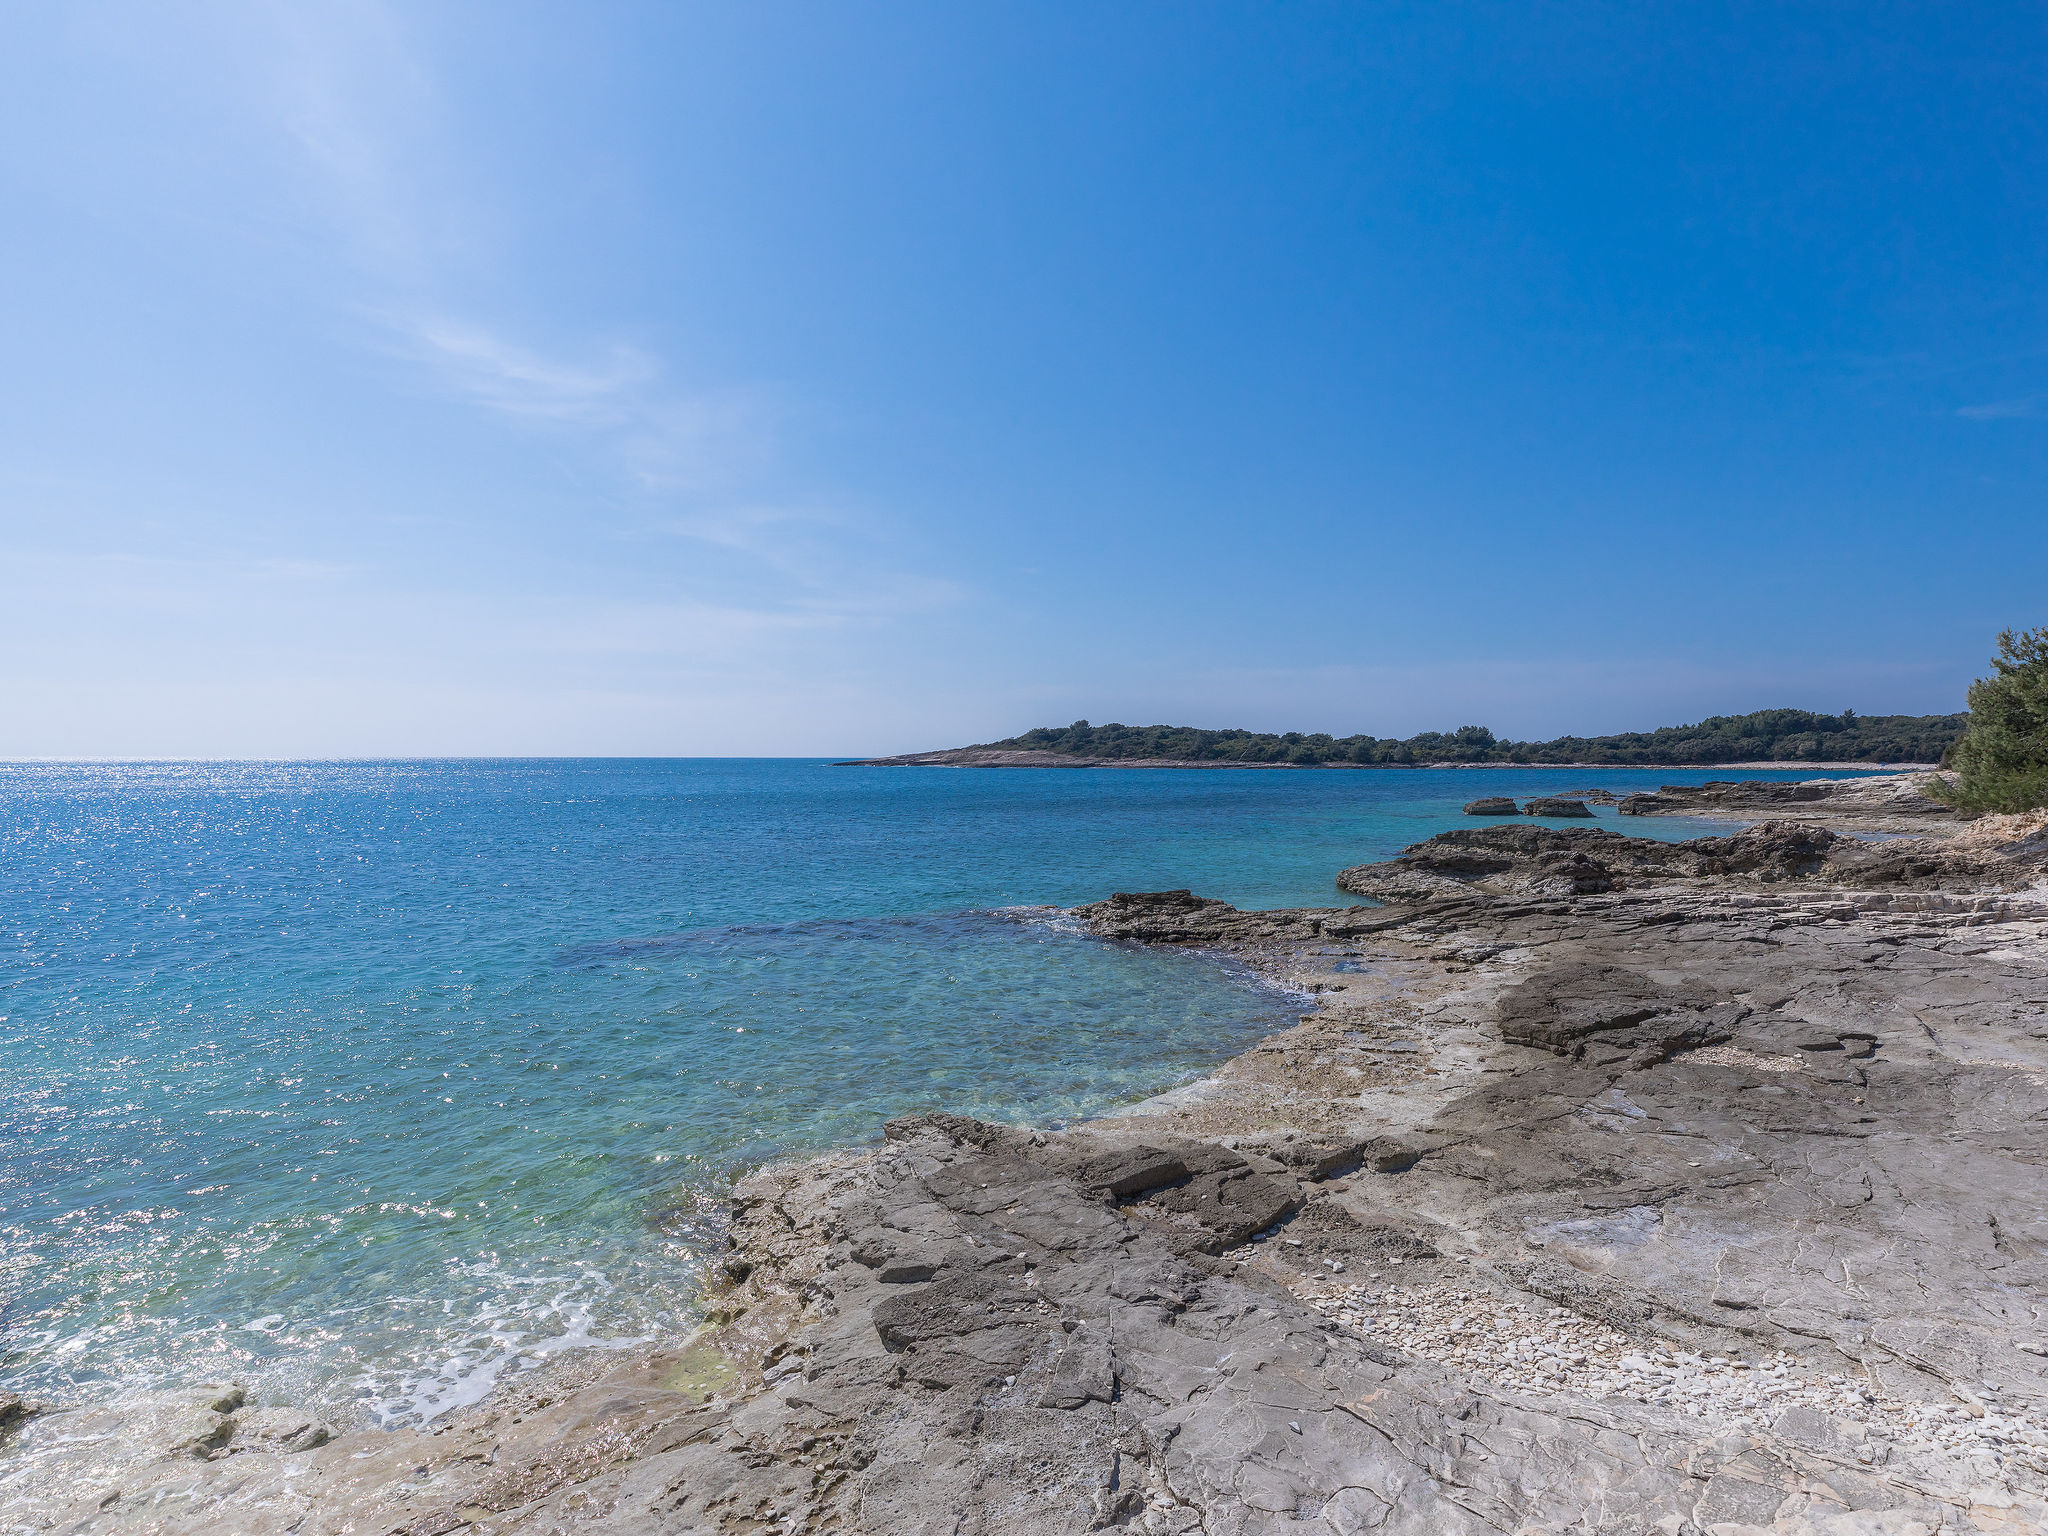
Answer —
(768, 378)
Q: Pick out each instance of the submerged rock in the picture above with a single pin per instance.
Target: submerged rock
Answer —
(278, 1429)
(1180, 917)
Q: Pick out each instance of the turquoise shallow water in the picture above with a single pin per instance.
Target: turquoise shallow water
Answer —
(368, 1082)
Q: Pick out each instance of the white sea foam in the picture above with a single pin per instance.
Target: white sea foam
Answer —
(501, 1339)
(1058, 919)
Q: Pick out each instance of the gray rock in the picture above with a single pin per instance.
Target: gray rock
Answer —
(1394, 1154)
(1556, 805)
(278, 1429)
(1309, 1156)
(1886, 799)
(897, 1258)
(1585, 861)
(14, 1409)
(1131, 1170)
(1492, 805)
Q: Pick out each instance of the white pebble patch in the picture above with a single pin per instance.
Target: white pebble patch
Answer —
(1531, 1347)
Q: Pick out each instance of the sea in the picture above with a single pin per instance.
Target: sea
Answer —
(370, 1084)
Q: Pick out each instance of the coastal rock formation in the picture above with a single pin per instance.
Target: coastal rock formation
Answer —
(1886, 798)
(1492, 805)
(1614, 1186)
(1581, 861)
(1181, 917)
(1557, 805)
(1726, 795)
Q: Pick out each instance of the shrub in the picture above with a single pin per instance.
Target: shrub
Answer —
(2001, 759)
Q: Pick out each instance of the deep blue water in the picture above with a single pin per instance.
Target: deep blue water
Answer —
(369, 1081)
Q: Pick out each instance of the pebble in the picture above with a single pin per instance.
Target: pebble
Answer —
(1549, 1350)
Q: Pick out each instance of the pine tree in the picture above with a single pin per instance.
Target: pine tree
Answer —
(2001, 760)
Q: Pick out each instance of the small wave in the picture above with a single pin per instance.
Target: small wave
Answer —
(1056, 919)
(500, 1341)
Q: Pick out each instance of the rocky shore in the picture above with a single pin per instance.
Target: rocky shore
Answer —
(1890, 802)
(1608, 1186)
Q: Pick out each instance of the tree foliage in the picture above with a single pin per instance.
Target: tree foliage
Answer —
(1771, 735)
(2001, 760)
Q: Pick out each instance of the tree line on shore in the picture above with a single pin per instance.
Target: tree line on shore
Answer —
(1996, 752)
(1770, 735)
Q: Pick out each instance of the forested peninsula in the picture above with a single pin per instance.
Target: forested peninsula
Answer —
(1769, 735)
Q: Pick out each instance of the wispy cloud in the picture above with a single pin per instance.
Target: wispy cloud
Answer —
(822, 552)
(346, 87)
(664, 441)
(386, 165)
(353, 91)
(2025, 408)
(507, 378)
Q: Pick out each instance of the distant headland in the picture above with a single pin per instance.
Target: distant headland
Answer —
(1769, 737)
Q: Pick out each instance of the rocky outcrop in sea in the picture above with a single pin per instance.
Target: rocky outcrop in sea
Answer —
(1897, 801)
(1557, 805)
(1493, 805)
